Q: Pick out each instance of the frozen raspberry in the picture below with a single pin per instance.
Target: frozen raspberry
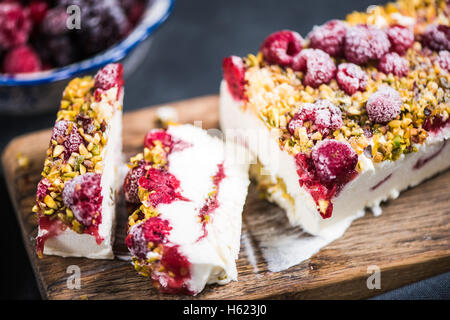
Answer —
(110, 76)
(60, 50)
(280, 47)
(55, 22)
(364, 43)
(234, 75)
(329, 37)
(334, 161)
(131, 183)
(38, 10)
(324, 116)
(153, 230)
(83, 196)
(15, 25)
(393, 63)
(42, 189)
(158, 135)
(70, 140)
(401, 38)
(21, 59)
(85, 122)
(133, 9)
(444, 60)
(320, 68)
(103, 23)
(351, 78)
(384, 105)
(437, 37)
(164, 185)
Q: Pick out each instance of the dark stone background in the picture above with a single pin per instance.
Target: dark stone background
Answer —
(185, 62)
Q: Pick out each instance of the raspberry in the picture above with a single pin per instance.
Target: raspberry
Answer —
(103, 23)
(83, 196)
(324, 115)
(163, 184)
(133, 10)
(21, 59)
(55, 22)
(320, 68)
(444, 60)
(70, 140)
(329, 37)
(281, 47)
(153, 230)
(158, 135)
(110, 76)
(364, 43)
(38, 10)
(384, 105)
(393, 63)
(437, 37)
(234, 74)
(131, 183)
(85, 122)
(42, 189)
(351, 78)
(334, 161)
(15, 25)
(401, 38)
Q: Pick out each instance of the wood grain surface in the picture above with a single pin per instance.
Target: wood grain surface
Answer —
(410, 241)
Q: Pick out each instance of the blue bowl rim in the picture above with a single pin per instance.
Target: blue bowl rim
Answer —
(116, 53)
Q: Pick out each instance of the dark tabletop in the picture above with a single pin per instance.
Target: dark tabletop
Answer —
(185, 62)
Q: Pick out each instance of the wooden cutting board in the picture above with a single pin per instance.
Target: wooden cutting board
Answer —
(410, 241)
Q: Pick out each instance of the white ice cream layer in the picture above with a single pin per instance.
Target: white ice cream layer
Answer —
(355, 196)
(213, 257)
(72, 244)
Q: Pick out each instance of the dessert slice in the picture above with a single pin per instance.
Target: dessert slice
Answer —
(75, 200)
(347, 118)
(188, 191)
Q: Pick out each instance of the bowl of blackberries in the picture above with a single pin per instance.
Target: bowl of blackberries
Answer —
(45, 43)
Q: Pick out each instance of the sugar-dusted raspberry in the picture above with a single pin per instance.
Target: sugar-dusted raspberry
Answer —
(42, 189)
(281, 47)
(38, 10)
(334, 161)
(103, 23)
(329, 37)
(83, 196)
(55, 22)
(163, 184)
(234, 74)
(110, 76)
(364, 43)
(437, 37)
(319, 66)
(158, 135)
(444, 60)
(22, 59)
(324, 116)
(71, 140)
(401, 38)
(15, 24)
(351, 78)
(154, 229)
(59, 50)
(393, 63)
(131, 183)
(384, 105)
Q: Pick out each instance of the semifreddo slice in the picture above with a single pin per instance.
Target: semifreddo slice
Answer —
(188, 190)
(75, 200)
